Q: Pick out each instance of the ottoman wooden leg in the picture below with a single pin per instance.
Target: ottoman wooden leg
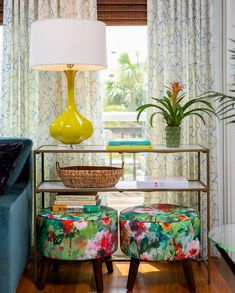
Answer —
(55, 265)
(134, 265)
(97, 268)
(109, 264)
(188, 271)
(45, 267)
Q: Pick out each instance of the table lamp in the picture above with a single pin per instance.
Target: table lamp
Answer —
(69, 45)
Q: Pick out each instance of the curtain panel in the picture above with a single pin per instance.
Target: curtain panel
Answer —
(181, 48)
(32, 99)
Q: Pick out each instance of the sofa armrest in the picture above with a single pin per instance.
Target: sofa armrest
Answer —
(21, 162)
(26, 172)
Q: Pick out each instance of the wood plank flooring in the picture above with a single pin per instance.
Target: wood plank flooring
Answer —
(77, 277)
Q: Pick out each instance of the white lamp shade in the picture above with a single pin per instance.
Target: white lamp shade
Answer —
(58, 42)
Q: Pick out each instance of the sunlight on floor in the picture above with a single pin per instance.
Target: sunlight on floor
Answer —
(143, 268)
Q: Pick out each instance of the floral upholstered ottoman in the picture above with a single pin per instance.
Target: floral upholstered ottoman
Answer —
(160, 232)
(77, 236)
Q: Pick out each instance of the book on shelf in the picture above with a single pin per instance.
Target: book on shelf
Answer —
(75, 202)
(67, 208)
(161, 182)
(76, 197)
(130, 142)
(77, 193)
(76, 208)
(129, 147)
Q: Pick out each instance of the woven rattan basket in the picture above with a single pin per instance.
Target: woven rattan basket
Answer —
(89, 176)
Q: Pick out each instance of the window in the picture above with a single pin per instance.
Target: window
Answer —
(123, 84)
(123, 88)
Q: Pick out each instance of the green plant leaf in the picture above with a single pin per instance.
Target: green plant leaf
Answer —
(196, 101)
(224, 103)
(140, 109)
(225, 109)
(143, 107)
(152, 116)
(169, 93)
(200, 116)
(169, 105)
(203, 110)
(217, 96)
(227, 117)
(180, 98)
(165, 103)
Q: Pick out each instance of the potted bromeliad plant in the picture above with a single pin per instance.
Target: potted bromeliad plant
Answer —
(173, 108)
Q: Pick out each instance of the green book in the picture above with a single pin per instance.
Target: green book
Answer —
(91, 208)
(130, 142)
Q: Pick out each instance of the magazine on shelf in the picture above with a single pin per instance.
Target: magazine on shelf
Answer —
(161, 182)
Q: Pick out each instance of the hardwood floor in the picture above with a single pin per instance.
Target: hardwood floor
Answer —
(77, 277)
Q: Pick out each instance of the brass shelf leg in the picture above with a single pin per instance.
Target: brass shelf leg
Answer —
(35, 215)
(208, 218)
(43, 177)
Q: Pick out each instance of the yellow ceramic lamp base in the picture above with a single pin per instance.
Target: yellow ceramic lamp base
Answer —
(71, 127)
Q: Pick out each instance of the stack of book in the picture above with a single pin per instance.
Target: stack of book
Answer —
(161, 182)
(76, 203)
(129, 144)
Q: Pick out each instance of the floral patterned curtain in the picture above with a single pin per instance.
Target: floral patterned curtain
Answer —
(181, 48)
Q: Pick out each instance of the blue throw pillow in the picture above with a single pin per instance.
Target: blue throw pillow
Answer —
(9, 154)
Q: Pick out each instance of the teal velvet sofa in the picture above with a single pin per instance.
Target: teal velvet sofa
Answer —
(16, 218)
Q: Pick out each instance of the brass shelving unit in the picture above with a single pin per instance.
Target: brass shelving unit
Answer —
(46, 185)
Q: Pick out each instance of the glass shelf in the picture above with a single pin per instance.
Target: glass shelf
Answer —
(102, 149)
(58, 186)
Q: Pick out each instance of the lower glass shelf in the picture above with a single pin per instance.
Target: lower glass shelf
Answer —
(58, 186)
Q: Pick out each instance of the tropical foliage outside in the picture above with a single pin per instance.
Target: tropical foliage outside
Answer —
(128, 89)
(123, 91)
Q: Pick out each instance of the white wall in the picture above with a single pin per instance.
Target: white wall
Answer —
(218, 20)
(230, 178)
(229, 130)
